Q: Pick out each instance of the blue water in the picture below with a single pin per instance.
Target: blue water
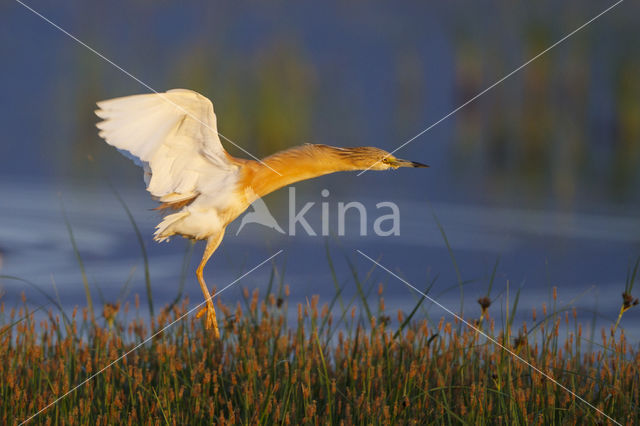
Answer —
(584, 254)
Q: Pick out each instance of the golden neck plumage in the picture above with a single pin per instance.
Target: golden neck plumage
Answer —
(294, 165)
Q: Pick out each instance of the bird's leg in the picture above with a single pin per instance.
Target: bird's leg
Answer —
(211, 322)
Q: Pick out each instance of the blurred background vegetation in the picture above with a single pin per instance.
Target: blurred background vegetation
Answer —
(565, 128)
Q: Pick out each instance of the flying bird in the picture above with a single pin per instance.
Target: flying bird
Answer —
(173, 136)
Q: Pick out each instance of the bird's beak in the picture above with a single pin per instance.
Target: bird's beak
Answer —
(405, 163)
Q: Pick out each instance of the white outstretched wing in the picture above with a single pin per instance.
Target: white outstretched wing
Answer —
(175, 137)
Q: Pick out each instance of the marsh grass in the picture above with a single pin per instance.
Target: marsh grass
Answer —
(320, 369)
(342, 362)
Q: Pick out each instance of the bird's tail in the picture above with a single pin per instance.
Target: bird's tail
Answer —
(165, 229)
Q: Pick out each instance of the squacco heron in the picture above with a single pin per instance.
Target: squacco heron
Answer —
(202, 188)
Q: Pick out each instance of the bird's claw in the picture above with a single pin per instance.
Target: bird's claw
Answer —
(211, 321)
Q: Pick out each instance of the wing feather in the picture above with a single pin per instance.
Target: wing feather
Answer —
(173, 136)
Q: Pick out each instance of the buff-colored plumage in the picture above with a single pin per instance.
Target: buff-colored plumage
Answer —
(174, 137)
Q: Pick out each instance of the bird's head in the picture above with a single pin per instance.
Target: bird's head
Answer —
(370, 158)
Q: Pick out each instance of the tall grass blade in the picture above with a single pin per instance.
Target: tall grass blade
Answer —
(363, 297)
(334, 276)
(5, 328)
(44, 293)
(85, 280)
(453, 260)
(515, 306)
(186, 261)
(631, 280)
(143, 250)
(493, 277)
(407, 320)
(124, 291)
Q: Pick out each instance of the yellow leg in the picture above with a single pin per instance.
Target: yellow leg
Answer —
(211, 322)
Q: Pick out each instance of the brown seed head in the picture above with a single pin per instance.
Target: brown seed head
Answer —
(484, 303)
(109, 311)
(628, 301)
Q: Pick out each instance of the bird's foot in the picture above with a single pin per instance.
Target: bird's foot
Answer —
(211, 322)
